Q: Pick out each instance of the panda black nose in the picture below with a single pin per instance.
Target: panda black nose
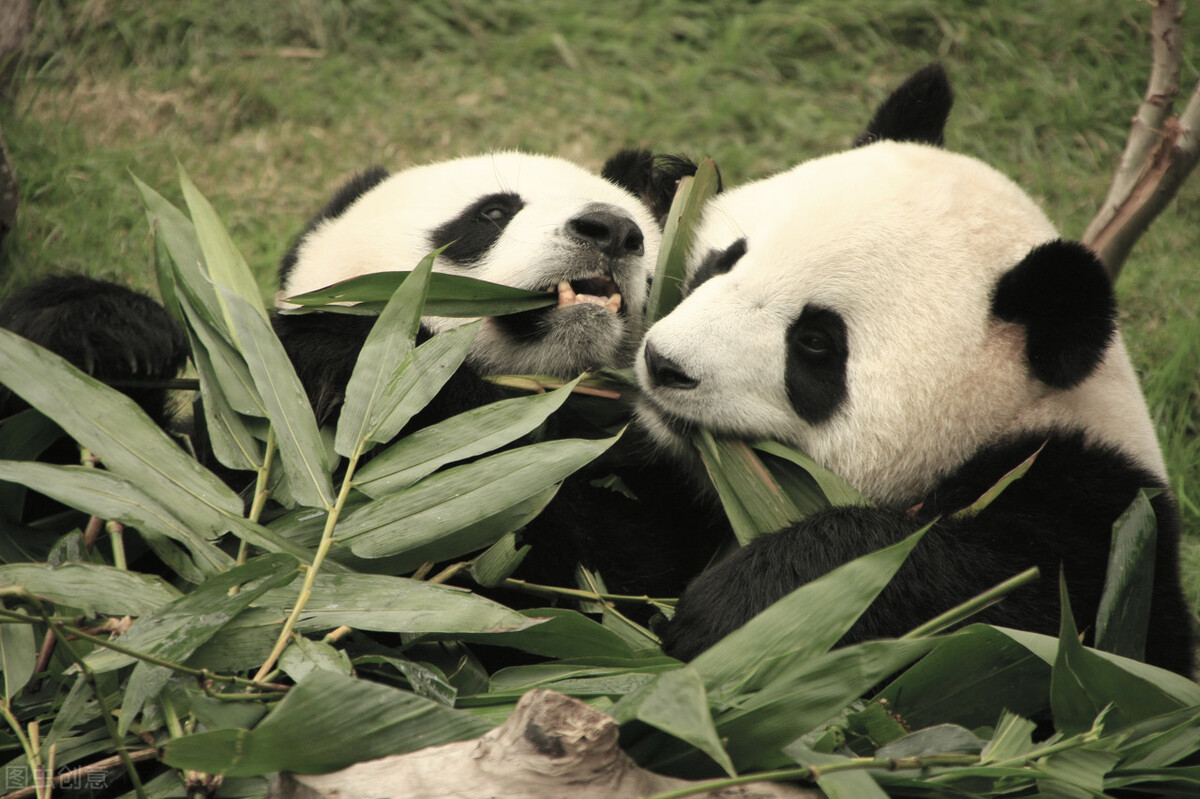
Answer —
(665, 373)
(614, 234)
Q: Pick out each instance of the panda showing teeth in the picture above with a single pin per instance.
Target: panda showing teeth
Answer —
(605, 294)
(920, 328)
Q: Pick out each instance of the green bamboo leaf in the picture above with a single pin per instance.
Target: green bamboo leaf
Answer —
(18, 655)
(301, 450)
(303, 657)
(394, 604)
(177, 234)
(173, 631)
(973, 675)
(1012, 738)
(109, 496)
(358, 720)
(409, 521)
(370, 393)
(1080, 771)
(1084, 684)
(1123, 616)
(836, 490)
(417, 381)
(448, 295)
(802, 625)
(499, 562)
(677, 704)
(24, 436)
(989, 496)
(226, 266)
(686, 209)
(1179, 690)
(561, 634)
(230, 437)
(752, 499)
(460, 437)
(92, 588)
(110, 424)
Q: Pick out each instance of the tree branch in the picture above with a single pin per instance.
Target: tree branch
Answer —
(1160, 153)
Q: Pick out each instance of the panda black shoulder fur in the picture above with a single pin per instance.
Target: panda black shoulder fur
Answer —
(918, 326)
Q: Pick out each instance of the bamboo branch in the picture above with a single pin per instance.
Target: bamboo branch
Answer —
(1160, 153)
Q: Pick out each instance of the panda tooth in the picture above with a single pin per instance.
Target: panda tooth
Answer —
(613, 304)
(566, 295)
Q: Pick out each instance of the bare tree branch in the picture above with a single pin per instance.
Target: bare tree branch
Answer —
(1161, 150)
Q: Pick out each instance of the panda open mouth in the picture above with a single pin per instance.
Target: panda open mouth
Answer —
(602, 291)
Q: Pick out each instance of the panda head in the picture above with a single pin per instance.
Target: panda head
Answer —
(530, 221)
(889, 310)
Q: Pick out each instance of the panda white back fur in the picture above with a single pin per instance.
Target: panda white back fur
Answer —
(530, 221)
(909, 318)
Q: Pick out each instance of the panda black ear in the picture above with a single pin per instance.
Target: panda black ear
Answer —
(1061, 294)
(916, 111)
(652, 177)
(350, 191)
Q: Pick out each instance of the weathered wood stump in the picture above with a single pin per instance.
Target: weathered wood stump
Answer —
(552, 746)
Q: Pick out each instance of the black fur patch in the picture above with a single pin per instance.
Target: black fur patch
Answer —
(652, 178)
(1063, 297)
(916, 111)
(716, 262)
(473, 232)
(817, 349)
(106, 330)
(354, 188)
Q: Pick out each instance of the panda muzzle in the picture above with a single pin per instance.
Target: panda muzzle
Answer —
(602, 291)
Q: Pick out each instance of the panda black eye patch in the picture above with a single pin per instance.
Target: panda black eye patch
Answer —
(477, 228)
(716, 262)
(815, 373)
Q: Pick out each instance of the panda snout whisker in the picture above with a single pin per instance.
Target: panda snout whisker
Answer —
(602, 291)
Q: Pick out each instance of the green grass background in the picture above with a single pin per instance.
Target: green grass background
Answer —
(268, 105)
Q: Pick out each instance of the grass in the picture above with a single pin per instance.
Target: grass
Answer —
(269, 105)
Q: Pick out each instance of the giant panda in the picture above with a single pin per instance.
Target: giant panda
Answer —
(535, 222)
(531, 221)
(911, 319)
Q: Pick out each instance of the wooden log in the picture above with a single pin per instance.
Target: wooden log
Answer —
(552, 746)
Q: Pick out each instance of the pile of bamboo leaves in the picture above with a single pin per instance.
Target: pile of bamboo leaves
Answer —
(302, 626)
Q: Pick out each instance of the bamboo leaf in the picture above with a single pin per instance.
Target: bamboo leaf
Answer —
(677, 704)
(802, 625)
(448, 295)
(226, 266)
(173, 631)
(972, 676)
(91, 587)
(753, 501)
(359, 720)
(301, 450)
(989, 496)
(418, 380)
(303, 657)
(1123, 616)
(686, 209)
(394, 604)
(109, 423)
(460, 437)
(386, 350)
(836, 490)
(18, 654)
(109, 496)
(855, 784)
(411, 521)
(1084, 684)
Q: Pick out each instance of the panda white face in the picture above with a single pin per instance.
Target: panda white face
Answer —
(849, 308)
(529, 221)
